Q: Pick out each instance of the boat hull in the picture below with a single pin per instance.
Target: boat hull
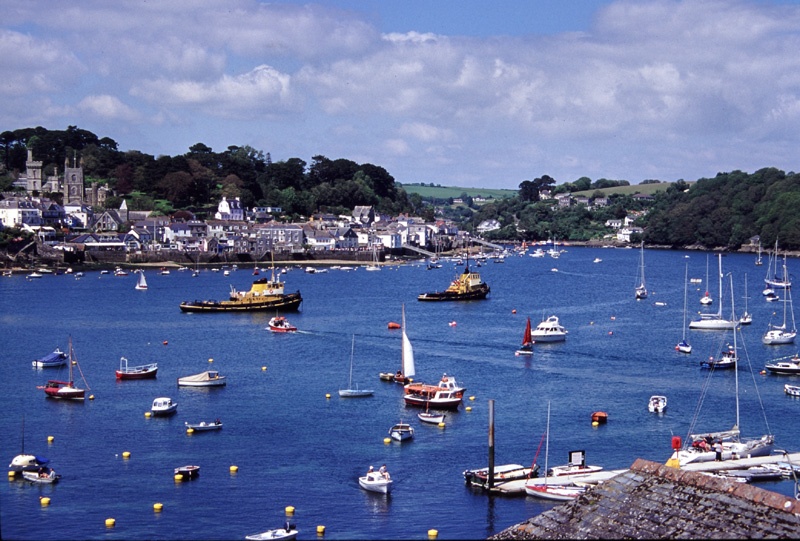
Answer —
(286, 302)
(138, 372)
(278, 533)
(555, 492)
(374, 483)
(431, 418)
(435, 403)
(477, 294)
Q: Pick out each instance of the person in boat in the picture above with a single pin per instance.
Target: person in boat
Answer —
(383, 471)
(370, 470)
(217, 422)
(718, 449)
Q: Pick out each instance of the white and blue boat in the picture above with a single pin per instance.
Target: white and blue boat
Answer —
(56, 358)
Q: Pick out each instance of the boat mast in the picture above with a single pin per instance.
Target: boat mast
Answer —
(735, 352)
(685, 289)
(547, 443)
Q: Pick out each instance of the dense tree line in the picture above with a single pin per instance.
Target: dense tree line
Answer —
(198, 179)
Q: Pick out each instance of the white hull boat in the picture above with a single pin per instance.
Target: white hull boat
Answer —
(209, 378)
(549, 330)
(376, 482)
(657, 404)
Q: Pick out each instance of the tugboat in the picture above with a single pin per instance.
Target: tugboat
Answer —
(265, 294)
(467, 287)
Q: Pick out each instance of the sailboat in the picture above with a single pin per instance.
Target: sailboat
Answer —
(641, 290)
(758, 259)
(684, 346)
(545, 491)
(141, 283)
(24, 462)
(699, 447)
(527, 342)
(66, 389)
(714, 321)
(353, 392)
(772, 280)
(374, 266)
(777, 335)
(407, 370)
(706, 299)
(747, 317)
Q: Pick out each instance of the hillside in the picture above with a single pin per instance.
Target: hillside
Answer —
(446, 192)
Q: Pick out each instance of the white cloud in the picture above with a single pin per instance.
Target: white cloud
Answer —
(107, 107)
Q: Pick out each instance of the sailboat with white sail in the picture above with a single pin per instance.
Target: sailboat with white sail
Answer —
(706, 299)
(141, 283)
(641, 289)
(780, 334)
(700, 447)
(684, 346)
(747, 317)
(772, 281)
(715, 322)
(407, 369)
(350, 391)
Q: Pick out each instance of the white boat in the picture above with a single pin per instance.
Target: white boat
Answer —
(431, 417)
(527, 342)
(24, 462)
(545, 490)
(376, 482)
(504, 473)
(55, 359)
(549, 330)
(401, 432)
(747, 317)
(684, 346)
(407, 369)
(350, 391)
(772, 280)
(203, 426)
(785, 365)
(780, 334)
(792, 390)
(706, 299)
(597, 260)
(657, 404)
(447, 394)
(698, 447)
(715, 322)
(374, 266)
(42, 475)
(641, 289)
(575, 466)
(66, 389)
(289, 531)
(726, 359)
(163, 406)
(209, 378)
(141, 283)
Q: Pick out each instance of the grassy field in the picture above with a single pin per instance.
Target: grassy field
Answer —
(444, 192)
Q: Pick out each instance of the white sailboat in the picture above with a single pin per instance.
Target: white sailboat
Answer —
(706, 299)
(684, 346)
(641, 290)
(374, 266)
(779, 334)
(758, 259)
(545, 491)
(141, 283)
(747, 317)
(700, 447)
(715, 322)
(353, 392)
(772, 280)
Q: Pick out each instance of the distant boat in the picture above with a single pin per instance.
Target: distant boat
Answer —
(657, 404)
(188, 472)
(141, 283)
(43, 475)
(447, 394)
(209, 378)
(401, 432)
(715, 321)
(379, 482)
(684, 346)
(785, 365)
(641, 289)
(407, 369)
(281, 324)
(289, 531)
(527, 343)
(144, 371)
(350, 391)
(54, 359)
(163, 406)
(203, 426)
(747, 317)
(706, 299)
(549, 330)
(772, 280)
(66, 389)
(781, 334)
(467, 287)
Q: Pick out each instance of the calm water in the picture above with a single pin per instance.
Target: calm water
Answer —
(295, 447)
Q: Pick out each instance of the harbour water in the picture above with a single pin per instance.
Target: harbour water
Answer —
(296, 446)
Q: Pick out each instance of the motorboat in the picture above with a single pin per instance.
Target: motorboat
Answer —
(43, 475)
(163, 406)
(657, 404)
(376, 482)
(791, 390)
(401, 432)
(549, 330)
(447, 394)
(559, 493)
(144, 371)
(209, 378)
(785, 365)
(727, 359)
(51, 360)
(599, 417)
(503, 473)
(203, 426)
(188, 472)
(288, 531)
(575, 466)
(281, 324)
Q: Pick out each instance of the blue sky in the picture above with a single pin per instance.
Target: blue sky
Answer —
(458, 93)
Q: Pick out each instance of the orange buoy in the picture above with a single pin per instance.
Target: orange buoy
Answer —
(394, 325)
(452, 323)
(165, 342)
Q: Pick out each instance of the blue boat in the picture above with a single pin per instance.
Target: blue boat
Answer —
(56, 358)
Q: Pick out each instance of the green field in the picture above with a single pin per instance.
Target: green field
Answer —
(445, 192)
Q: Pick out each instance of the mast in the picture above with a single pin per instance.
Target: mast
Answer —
(547, 443)
(735, 352)
(685, 288)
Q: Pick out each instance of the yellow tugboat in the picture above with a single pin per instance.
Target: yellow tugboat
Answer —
(265, 294)
(466, 287)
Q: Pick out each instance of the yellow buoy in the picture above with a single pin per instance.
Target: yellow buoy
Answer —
(210, 360)
(178, 477)
(147, 414)
(110, 522)
(12, 474)
(441, 424)
(327, 395)
(189, 430)
(91, 397)
(595, 423)
(158, 506)
(289, 510)
(432, 534)
(387, 441)
(126, 454)
(234, 469)
(468, 408)
(50, 439)
(320, 530)
(263, 368)
(472, 397)
(44, 500)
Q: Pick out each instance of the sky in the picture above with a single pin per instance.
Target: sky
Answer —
(452, 92)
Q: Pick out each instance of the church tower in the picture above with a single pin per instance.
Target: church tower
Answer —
(33, 173)
(73, 184)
